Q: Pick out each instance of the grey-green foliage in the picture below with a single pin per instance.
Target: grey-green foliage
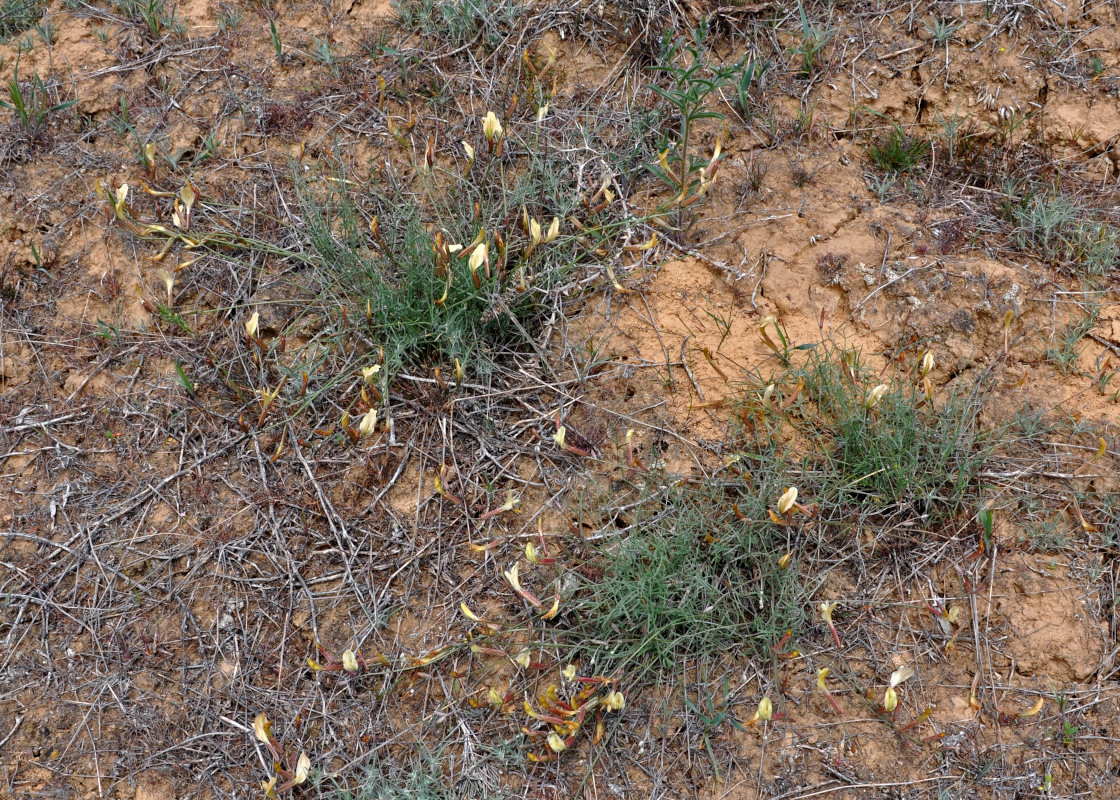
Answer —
(908, 457)
(695, 574)
(422, 778)
(1063, 347)
(458, 23)
(17, 16)
(1065, 233)
(403, 284)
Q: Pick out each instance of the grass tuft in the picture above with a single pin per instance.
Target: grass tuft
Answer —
(898, 152)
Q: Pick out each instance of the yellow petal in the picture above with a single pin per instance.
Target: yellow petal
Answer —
(901, 675)
(875, 395)
(786, 501)
(569, 672)
(253, 324)
(821, 675)
(614, 701)
(478, 257)
(890, 700)
(1033, 709)
(269, 788)
(349, 660)
(765, 709)
(303, 767)
(262, 728)
(552, 612)
(368, 424)
(555, 743)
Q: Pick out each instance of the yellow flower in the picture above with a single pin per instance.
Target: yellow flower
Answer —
(523, 659)
(899, 676)
(614, 701)
(269, 788)
(559, 437)
(262, 728)
(493, 697)
(468, 613)
(569, 672)
(765, 711)
(875, 395)
(927, 365)
(253, 325)
(541, 112)
(555, 743)
(478, 257)
(303, 767)
(821, 675)
(531, 553)
(826, 611)
(783, 562)
(369, 374)
(469, 151)
(368, 424)
(121, 200)
(553, 230)
(534, 232)
(890, 700)
(491, 127)
(787, 500)
(349, 660)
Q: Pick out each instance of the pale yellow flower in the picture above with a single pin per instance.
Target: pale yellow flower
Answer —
(614, 701)
(303, 767)
(553, 230)
(821, 675)
(875, 396)
(787, 500)
(478, 257)
(555, 743)
(253, 325)
(368, 424)
(927, 365)
(491, 127)
(262, 728)
(349, 660)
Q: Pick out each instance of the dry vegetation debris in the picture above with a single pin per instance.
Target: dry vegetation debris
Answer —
(481, 398)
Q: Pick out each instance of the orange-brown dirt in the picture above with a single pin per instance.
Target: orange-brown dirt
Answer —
(153, 696)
